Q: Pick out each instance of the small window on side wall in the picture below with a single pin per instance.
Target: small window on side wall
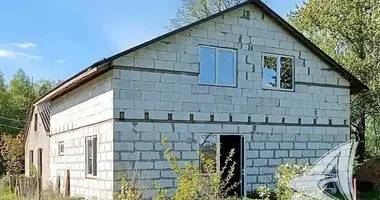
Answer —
(217, 66)
(61, 148)
(278, 72)
(91, 156)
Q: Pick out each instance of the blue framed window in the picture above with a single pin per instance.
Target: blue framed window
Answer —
(217, 66)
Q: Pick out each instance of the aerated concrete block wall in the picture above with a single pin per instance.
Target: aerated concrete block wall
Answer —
(85, 111)
(286, 126)
(163, 79)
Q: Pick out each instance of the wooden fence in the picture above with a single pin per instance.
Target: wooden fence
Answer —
(26, 186)
(32, 186)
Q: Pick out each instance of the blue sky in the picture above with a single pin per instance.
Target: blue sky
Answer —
(56, 39)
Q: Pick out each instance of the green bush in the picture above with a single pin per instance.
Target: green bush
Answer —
(5, 192)
(193, 182)
(283, 175)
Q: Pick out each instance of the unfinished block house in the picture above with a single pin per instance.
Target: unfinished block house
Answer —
(243, 77)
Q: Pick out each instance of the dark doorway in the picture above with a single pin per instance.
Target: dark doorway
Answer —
(39, 160)
(229, 142)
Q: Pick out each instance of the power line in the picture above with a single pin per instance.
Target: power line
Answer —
(11, 127)
(12, 119)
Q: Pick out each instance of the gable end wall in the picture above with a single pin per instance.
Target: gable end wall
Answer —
(162, 78)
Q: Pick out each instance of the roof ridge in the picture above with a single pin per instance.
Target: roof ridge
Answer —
(355, 84)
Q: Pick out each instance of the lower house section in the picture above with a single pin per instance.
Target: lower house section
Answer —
(259, 149)
(88, 153)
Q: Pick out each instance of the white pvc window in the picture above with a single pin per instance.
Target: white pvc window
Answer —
(61, 148)
(91, 156)
(217, 66)
(278, 72)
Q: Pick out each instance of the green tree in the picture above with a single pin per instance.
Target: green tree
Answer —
(43, 86)
(194, 10)
(15, 100)
(2, 82)
(348, 31)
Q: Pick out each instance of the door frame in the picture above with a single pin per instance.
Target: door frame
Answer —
(244, 167)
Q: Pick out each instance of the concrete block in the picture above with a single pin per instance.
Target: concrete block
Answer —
(181, 88)
(199, 89)
(123, 146)
(227, 128)
(163, 105)
(143, 165)
(197, 127)
(295, 153)
(282, 154)
(216, 35)
(145, 53)
(187, 79)
(167, 56)
(298, 145)
(129, 75)
(170, 78)
(169, 96)
(308, 153)
(163, 127)
(223, 27)
(239, 100)
(213, 128)
(257, 145)
(150, 95)
(182, 146)
(185, 97)
(272, 145)
(165, 183)
(286, 145)
(252, 170)
(129, 94)
(143, 85)
(192, 49)
(124, 61)
(161, 165)
(191, 107)
(189, 58)
(167, 174)
(239, 30)
(143, 105)
(179, 46)
(166, 65)
(150, 136)
(170, 136)
(158, 115)
(130, 155)
(205, 98)
(260, 162)
(267, 170)
(223, 99)
(198, 33)
(144, 146)
(150, 174)
(266, 154)
(144, 63)
(164, 87)
(191, 155)
(225, 108)
(208, 107)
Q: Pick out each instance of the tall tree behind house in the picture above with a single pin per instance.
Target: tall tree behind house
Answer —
(349, 31)
(194, 10)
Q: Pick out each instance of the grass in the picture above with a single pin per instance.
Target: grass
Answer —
(5, 194)
(364, 196)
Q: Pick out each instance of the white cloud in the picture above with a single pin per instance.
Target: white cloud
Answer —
(25, 45)
(60, 61)
(13, 54)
